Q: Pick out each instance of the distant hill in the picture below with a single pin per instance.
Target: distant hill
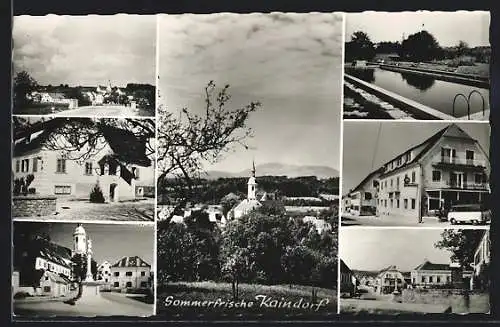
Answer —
(278, 169)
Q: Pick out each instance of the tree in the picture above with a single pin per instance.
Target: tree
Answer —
(421, 46)
(462, 245)
(186, 142)
(462, 48)
(360, 47)
(24, 84)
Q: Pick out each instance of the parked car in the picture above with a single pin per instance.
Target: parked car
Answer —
(469, 213)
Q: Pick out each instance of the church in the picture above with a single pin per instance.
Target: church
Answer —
(250, 203)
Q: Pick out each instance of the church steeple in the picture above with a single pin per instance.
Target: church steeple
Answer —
(252, 184)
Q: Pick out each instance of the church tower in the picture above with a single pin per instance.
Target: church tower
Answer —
(252, 185)
(79, 240)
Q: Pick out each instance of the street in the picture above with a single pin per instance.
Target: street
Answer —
(142, 210)
(349, 220)
(100, 111)
(108, 304)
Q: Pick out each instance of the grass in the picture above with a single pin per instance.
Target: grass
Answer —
(211, 291)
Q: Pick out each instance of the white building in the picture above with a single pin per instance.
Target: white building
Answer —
(448, 168)
(130, 273)
(104, 272)
(118, 167)
(250, 203)
(389, 280)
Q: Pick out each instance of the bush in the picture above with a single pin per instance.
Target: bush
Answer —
(96, 195)
(21, 295)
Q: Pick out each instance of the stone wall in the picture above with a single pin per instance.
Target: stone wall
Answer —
(33, 206)
(434, 296)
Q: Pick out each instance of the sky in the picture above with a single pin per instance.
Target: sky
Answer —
(110, 242)
(291, 63)
(86, 50)
(361, 147)
(375, 249)
(447, 27)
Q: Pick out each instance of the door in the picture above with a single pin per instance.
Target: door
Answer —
(112, 189)
(456, 180)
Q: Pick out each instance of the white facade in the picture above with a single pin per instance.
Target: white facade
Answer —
(104, 272)
(58, 175)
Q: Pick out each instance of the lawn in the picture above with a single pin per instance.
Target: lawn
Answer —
(262, 308)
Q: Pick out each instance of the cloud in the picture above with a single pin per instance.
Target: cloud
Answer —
(81, 50)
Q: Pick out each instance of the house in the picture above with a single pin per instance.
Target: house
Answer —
(348, 281)
(130, 274)
(118, 167)
(431, 275)
(448, 168)
(388, 280)
(319, 224)
(481, 263)
(363, 197)
(41, 267)
(250, 203)
(346, 204)
(104, 272)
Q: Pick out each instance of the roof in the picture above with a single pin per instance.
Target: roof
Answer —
(55, 95)
(134, 261)
(53, 252)
(427, 265)
(127, 147)
(370, 175)
(247, 205)
(451, 130)
(344, 267)
(57, 277)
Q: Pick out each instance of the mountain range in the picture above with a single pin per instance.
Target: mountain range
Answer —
(278, 169)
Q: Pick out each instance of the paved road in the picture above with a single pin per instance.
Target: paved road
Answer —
(82, 210)
(104, 111)
(108, 304)
(396, 221)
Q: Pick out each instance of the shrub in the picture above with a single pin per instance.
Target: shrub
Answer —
(21, 295)
(96, 195)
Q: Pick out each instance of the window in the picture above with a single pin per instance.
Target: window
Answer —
(62, 189)
(438, 279)
(408, 157)
(436, 176)
(25, 165)
(143, 273)
(413, 203)
(17, 165)
(46, 277)
(385, 203)
(405, 201)
(414, 280)
(399, 161)
(397, 203)
(392, 203)
(413, 176)
(448, 279)
(61, 166)
(385, 182)
(144, 284)
(423, 279)
(374, 184)
(406, 180)
(46, 289)
(129, 284)
(478, 178)
(391, 182)
(117, 274)
(368, 196)
(88, 168)
(430, 279)
(116, 284)
(469, 156)
(128, 273)
(35, 165)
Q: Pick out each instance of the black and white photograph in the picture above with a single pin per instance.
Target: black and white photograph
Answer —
(86, 169)
(248, 159)
(82, 270)
(84, 66)
(417, 65)
(403, 174)
(414, 271)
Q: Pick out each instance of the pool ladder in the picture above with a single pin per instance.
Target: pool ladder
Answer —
(467, 100)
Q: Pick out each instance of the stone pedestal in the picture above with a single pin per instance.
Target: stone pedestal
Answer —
(90, 290)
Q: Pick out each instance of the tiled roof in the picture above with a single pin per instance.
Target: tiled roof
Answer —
(427, 265)
(134, 261)
(53, 252)
(57, 277)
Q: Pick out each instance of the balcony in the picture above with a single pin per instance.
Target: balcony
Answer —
(459, 162)
(463, 185)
